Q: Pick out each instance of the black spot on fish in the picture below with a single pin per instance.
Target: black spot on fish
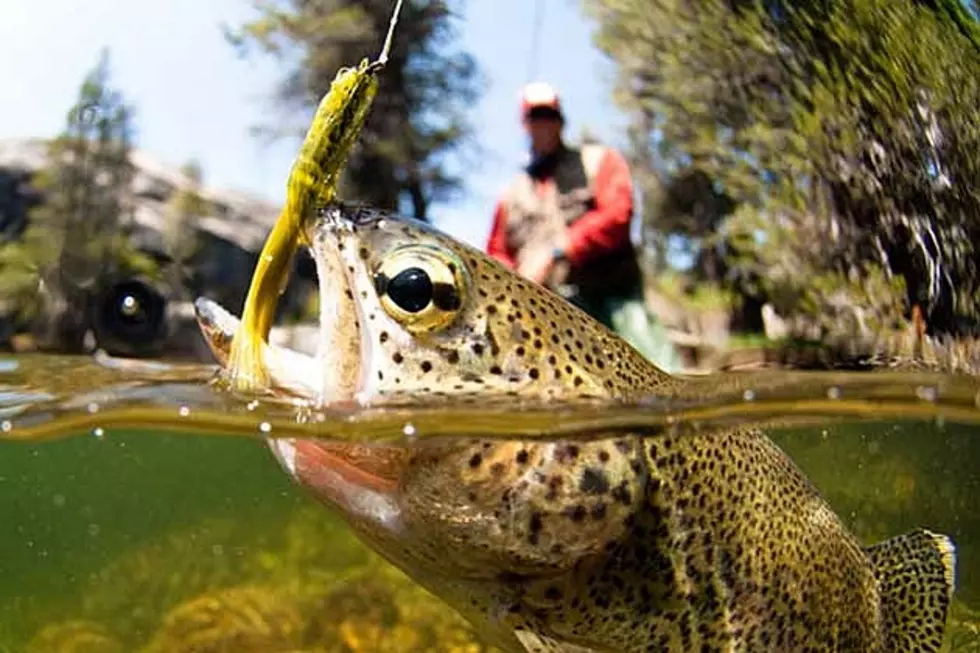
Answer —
(622, 494)
(594, 481)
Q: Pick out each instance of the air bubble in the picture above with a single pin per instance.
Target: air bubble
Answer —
(58, 500)
(6, 426)
(218, 550)
(184, 411)
(409, 430)
(94, 529)
(98, 432)
(93, 407)
(833, 392)
(748, 395)
(252, 405)
(265, 427)
(927, 393)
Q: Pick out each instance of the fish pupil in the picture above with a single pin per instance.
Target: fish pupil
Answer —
(411, 289)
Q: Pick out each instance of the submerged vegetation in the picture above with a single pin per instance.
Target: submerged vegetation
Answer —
(299, 584)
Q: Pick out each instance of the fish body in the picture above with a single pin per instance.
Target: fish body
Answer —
(627, 542)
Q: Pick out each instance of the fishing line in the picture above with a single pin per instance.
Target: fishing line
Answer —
(532, 66)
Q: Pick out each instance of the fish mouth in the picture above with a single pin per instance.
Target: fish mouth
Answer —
(359, 479)
(334, 374)
(292, 372)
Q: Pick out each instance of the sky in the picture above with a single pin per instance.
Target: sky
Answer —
(195, 98)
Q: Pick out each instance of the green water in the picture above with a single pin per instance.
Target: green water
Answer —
(121, 537)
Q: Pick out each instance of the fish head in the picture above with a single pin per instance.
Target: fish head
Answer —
(409, 313)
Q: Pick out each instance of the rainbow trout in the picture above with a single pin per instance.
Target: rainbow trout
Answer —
(711, 541)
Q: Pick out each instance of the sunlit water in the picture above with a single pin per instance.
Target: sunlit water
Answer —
(142, 511)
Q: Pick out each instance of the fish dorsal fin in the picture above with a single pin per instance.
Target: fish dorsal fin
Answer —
(915, 573)
(536, 643)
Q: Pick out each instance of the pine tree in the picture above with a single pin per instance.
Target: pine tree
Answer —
(417, 121)
(78, 237)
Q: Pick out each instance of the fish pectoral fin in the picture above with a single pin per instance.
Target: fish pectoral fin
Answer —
(536, 643)
(916, 573)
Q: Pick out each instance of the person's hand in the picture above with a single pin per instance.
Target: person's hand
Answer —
(538, 267)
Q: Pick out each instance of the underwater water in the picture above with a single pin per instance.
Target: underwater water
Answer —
(142, 510)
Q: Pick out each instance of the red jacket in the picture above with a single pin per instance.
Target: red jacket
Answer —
(600, 231)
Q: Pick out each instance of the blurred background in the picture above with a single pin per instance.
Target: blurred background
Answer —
(803, 173)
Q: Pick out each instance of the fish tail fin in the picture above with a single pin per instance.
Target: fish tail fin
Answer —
(915, 573)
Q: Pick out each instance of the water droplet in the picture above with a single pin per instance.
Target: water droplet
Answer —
(94, 529)
(265, 427)
(93, 407)
(409, 430)
(748, 395)
(6, 426)
(184, 411)
(833, 392)
(98, 432)
(58, 500)
(927, 393)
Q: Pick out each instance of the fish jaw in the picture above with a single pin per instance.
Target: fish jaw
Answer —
(360, 481)
(291, 372)
(330, 377)
(341, 354)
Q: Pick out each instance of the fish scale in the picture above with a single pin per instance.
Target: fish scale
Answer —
(700, 541)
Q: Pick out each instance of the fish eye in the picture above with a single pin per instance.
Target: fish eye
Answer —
(421, 287)
(411, 289)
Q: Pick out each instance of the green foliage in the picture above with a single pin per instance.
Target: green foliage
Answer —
(844, 134)
(79, 233)
(417, 121)
(693, 296)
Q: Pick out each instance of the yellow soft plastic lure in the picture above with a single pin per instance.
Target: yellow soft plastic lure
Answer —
(312, 182)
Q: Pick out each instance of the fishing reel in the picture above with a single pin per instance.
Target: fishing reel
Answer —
(129, 318)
